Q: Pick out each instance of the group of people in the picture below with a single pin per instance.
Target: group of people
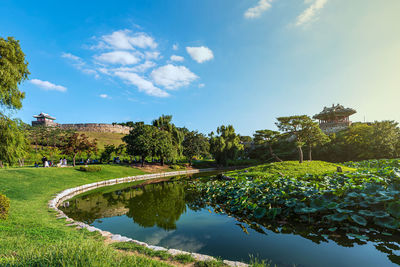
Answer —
(48, 163)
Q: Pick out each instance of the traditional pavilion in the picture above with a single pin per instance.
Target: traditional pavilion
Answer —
(44, 119)
(335, 118)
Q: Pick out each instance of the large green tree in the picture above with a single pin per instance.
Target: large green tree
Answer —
(195, 144)
(313, 136)
(140, 141)
(163, 146)
(164, 123)
(225, 145)
(14, 144)
(75, 143)
(268, 138)
(13, 71)
(295, 126)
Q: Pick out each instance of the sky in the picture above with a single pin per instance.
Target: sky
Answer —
(207, 63)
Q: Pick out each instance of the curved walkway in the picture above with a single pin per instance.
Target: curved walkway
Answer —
(71, 192)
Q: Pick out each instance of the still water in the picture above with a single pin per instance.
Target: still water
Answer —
(171, 215)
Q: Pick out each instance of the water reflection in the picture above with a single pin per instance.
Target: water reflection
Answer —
(186, 223)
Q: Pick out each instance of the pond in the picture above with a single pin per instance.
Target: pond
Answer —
(169, 213)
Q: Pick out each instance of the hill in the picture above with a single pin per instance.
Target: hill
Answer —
(105, 138)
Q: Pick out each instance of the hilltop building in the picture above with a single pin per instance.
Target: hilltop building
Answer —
(334, 119)
(46, 120)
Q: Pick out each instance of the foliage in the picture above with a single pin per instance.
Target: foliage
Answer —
(361, 141)
(90, 168)
(75, 143)
(295, 126)
(163, 146)
(107, 152)
(354, 202)
(195, 145)
(268, 138)
(225, 145)
(13, 70)
(4, 207)
(13, 145)
(140, 141)
(312, 136)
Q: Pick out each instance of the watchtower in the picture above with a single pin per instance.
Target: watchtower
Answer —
(335, 118)
(44, 119)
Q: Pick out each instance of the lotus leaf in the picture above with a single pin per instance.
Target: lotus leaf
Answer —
(387, 222)
(367, 213)
(359, 219)
(308, 210)
(343, 210)
(259, 212)
(380, 214)
(394, 209)
(338, 217)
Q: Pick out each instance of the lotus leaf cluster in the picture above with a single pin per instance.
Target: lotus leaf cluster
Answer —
(357, 203)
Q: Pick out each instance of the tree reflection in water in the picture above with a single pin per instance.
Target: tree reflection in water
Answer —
(162, 204)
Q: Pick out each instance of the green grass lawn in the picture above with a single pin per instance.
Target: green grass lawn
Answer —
(105, 138)
(291, 169)
(32, 236)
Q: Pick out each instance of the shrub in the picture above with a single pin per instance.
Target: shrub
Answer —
(176, 167)
(4, 207)
(90, 169)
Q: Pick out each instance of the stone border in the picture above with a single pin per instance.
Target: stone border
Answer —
(71, 192)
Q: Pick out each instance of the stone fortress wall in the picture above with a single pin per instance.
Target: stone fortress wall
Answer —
(96, 127)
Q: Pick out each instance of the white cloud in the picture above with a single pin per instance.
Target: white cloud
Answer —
(126, 40)
(177, 58)
(119, 57)
(310, 12)
(257, 10)
(201, 85)
(48, 85)
(173, 77)
(200, 54)
(152, 55)
(142, 84)
(80, 64)
(175, 47)
(104, 96)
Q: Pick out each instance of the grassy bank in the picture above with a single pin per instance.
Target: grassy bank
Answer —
(32, 236)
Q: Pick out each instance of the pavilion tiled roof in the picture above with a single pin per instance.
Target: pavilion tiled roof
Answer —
(334, 112)
(44, 115)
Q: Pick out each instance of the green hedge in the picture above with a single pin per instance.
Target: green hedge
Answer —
(4, 207)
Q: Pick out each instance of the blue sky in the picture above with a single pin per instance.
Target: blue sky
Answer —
(207, 62)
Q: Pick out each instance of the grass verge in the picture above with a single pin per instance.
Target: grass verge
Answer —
(32, 236)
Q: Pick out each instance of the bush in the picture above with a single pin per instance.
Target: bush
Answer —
(4, 207)
(176, 167)
(90, 169)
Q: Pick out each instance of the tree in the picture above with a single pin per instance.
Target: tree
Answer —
(385, 139)
(140, 141)
(267, 137)
(195, 144)
(163, 146)
(106, 153)
(163, 123)
(226, 145)
(313, 136)
(75, 143)
(13, 71)
(14, 144)
(295, 126)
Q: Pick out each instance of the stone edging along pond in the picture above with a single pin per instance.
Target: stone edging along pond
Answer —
(71, 192)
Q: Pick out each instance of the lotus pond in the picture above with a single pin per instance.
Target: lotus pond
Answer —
(332, 219)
